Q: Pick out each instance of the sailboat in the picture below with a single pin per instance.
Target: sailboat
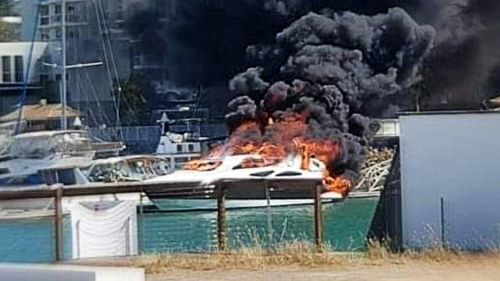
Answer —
(35, 159)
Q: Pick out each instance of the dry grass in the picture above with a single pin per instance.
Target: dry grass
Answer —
(295, 255)
(298, 255)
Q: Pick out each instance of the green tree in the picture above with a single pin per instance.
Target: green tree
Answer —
(131, 99)
(7, 30)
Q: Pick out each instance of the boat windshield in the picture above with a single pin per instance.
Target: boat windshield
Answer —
(129, 170)
(147, 168)
(111, 172)
(42, 146)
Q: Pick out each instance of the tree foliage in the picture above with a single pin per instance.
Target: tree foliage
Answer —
(131, 99)
(7, 30)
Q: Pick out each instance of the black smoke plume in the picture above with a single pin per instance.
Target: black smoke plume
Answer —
(333, 68)
(205, 41)
(463, 70)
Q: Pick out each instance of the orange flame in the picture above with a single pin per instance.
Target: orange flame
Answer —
(272, 143)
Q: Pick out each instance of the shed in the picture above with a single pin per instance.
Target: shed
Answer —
(450, 180)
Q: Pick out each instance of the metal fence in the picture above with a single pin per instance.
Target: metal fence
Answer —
(387, 223)
(144, 139)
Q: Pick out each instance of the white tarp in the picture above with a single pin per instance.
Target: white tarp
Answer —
(104, 229)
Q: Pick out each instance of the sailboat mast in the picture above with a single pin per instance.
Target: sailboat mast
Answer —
(64, 124)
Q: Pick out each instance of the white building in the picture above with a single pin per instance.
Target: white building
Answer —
(14, 64)
(15, 59)
(88, 41)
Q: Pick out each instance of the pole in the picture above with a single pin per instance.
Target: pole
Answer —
(58, 224)
(221, 217)
(318, 218)
(269, 215)
(443, 238)
(141, 224)
(64, 124)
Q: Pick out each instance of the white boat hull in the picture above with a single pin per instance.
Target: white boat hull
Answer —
(211, 204)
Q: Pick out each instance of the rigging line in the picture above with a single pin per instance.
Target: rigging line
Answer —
(103, 45)
(107, 40)
(107, 33)
(22, 99)
(106, 58)
(113, 61)
(96, 96)
(76, 74)
(91, 116)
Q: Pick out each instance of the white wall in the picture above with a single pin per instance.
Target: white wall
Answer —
(12, 49)
(457, 157)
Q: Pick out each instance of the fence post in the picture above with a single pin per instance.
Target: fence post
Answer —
(269, 215)
(318, 218)
(140, 235)
(58, 223)
(221, 217)
(443, 224)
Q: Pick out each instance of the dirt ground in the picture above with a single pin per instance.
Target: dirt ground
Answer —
(449, 271)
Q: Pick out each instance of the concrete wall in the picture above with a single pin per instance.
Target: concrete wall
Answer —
(455, 157)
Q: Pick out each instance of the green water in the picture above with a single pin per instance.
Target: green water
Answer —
(345, 228)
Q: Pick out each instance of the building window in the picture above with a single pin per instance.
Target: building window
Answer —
(74, 33)
(57, 9)
(6, 69)
(44, 36)
(44, 15)
(44, 78)
(190, 148)
(179, 148)
(44, 11)
(119, 10)
(19, 68)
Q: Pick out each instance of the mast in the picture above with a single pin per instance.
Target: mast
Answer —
(64, 122)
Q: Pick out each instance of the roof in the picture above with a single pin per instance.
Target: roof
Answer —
(449, 112)
(40, 112)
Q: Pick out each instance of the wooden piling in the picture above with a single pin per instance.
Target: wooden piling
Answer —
(58, 223)
(221, 218)
(318, 218)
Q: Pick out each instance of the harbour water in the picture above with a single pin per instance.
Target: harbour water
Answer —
(345, 227)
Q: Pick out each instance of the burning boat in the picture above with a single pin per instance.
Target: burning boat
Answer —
(307, 99)
(284, 179)
(282, 161)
